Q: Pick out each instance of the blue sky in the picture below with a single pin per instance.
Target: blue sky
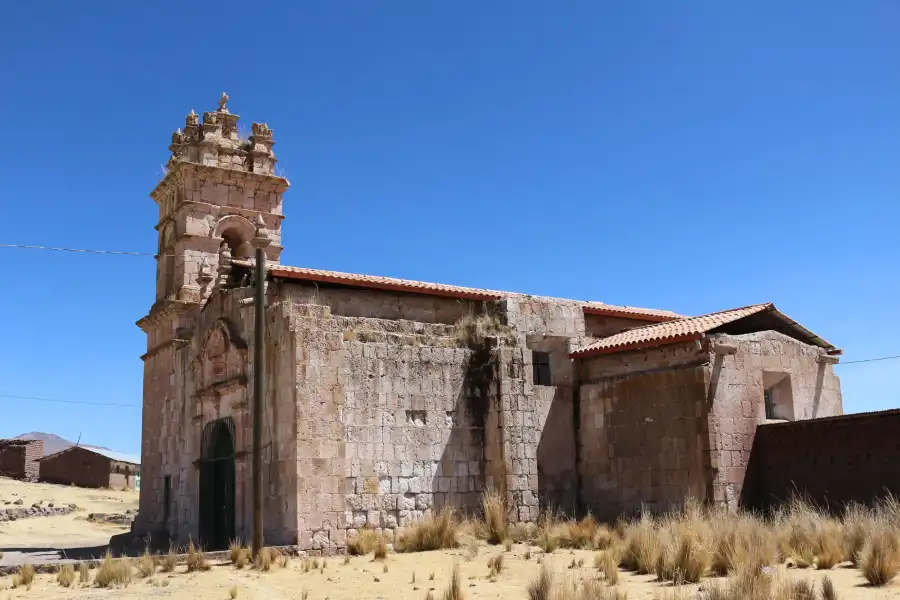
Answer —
(694, 156)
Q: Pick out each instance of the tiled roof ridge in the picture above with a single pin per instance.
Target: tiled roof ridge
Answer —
(414, 286)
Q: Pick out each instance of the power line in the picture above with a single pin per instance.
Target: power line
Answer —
(14, 397)
(80, 250)
(852, 362)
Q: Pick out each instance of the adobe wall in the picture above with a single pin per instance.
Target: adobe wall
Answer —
(19, 458)
(77, 466)
(643, 429)
(737, 405)
(831, 461)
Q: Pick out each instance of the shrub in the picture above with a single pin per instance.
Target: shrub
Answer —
(494, 507)
(434, 533)
(195, 559)
(880, 558)
(541, 588)
(113, 572)
(66, 576)
(364, 542)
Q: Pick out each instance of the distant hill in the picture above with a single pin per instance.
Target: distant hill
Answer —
(52, 442)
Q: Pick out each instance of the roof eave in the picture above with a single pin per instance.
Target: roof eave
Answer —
(637, 316)
(379, 285)
(587, 352)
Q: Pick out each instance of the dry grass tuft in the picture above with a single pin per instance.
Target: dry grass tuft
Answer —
(145, 565)
(472, 550)
(284, 559)
(542, 587)
(66, 576)
(496, 528)
(880, 557)
(84, 573)
(113, 572)
(169, 561)
(495, 565)
(233, 592)
(607, 563)
(740, 541)
(24, 577)
(380, 551)
(828, 591)
(798, 589)
(578, 534)
(195, 559)
(547, 535)
(265, 558)
(237, 553)
(364, 542)
(454, 590)
(434, 533)
(593, 590)
(642, 546)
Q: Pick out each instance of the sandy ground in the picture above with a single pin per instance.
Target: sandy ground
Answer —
(363, 579)
(69, 531)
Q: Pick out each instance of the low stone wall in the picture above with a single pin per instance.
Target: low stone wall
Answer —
(35, 510)
(831, 461)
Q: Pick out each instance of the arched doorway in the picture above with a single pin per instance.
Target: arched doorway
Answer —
(217, 485)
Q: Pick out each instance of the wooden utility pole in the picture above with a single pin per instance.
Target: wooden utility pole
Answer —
(259, 384)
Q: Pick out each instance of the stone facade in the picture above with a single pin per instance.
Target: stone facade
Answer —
(387, 400)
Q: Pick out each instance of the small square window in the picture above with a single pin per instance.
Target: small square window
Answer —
(540, 363)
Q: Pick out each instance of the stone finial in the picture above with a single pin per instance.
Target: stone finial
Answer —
(192, 120)
(223, 101)
(261, 237)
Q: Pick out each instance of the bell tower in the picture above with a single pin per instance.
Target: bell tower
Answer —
(219, 192)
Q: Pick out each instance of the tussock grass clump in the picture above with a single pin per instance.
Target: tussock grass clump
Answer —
(84, 573)
(828, 591)
(365, 541)
(167, 565)
(233, 592)
(238, 554)
(684, 555)
(542, 587)
(66, 576)
(113, 572)
(454, 590)
(547, 535)
(578, 534)
(496, 528)
(495, 565)
(195, 559)
(591, 589)
(880, 557)
(642, 546)
(740, 541)
(265, 558)
(434, 533)
(380, 551)
(607, 563)
(145, 565)
(24, 577)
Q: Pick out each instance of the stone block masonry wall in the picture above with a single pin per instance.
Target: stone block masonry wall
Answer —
(832, 461)
(807, 388)
(643, 430)
(19, 458)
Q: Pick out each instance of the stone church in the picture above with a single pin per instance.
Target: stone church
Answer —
(389, 398)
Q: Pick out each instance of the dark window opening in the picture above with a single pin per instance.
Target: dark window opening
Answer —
(540, 363)
(770, 407)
